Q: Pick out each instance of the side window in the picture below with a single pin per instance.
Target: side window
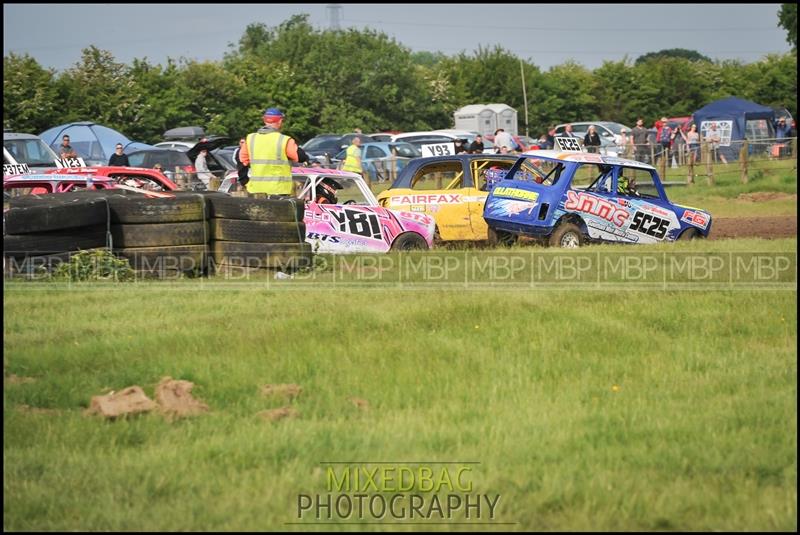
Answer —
(497, 169)
(441, 175)
(137, 159)
(374, 152)
(633, 182)
(601, 177)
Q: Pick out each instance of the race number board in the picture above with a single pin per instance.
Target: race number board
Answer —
(15, 169)
(67, 163)
(439, 149)
(568, 144)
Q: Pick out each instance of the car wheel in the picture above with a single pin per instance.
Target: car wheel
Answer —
(502, 238)
(409, 241)
(160, 234)
(690, 233)
(568, 236)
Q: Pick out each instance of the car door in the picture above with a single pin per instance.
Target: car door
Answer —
(439, 190)
(651, 218)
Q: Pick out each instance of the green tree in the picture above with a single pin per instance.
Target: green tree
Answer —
(787, 19)
(30, 98)
(691, 55)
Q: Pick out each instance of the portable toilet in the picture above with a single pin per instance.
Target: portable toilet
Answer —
(505, 117)
(476, 118)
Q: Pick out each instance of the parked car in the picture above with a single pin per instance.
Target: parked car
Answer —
(606, 129)
(23, 153)
(376, 157)
(343, 216)
(624, 202)
(442, 136)
(170, 159)
(325, 146)
(146, 179)
(451, 189)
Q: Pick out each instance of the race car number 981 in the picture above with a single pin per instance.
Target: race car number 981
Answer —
(650, 225)
(359, 223)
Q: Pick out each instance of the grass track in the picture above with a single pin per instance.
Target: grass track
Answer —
(587, 410)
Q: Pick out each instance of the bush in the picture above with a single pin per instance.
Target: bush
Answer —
(94, 265)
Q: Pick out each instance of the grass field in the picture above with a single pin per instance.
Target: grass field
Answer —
(587, 409)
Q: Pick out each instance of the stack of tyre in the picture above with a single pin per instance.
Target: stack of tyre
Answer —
(163, 236)
(258, 233)
(41, 231)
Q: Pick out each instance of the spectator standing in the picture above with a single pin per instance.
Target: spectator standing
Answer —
(503, 139)
(693, 141)
(119, 157)
(459, 146)
(640, 141)
(677, 143)
(551, 138)
(664, 138)
(267, 153)
(568, 132)
(714, 139)
(782, 129)
(622, 140)
(592, 140)
(65, 149)
(352, 160)
(476, 147)
(201, 166)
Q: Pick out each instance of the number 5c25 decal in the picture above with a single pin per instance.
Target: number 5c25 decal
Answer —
(649, 224)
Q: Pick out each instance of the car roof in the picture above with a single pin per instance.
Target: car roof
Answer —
(18, 135)
(586, 157)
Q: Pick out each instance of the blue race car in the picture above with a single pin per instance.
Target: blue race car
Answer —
(570, 198)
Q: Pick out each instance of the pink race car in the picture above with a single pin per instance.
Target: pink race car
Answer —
(343, 216)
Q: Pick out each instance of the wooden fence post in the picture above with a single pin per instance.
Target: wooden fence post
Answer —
(652, 154)
(743, 161)
(794, 153)
(709, 164)
(662, 164)
(690, 176)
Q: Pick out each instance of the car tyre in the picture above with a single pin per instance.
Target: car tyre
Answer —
(255, 209)
(258, 231)
(502, 238)
(409, 241)
(690, 233)
(160, 234)
(568, 236)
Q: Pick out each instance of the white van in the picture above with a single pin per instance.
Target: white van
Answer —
(24, 153)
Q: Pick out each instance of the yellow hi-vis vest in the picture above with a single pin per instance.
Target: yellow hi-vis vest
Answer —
(270, 170)
(352, 161)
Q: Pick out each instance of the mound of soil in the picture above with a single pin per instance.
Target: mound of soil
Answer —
(131, 400)
(286, 391)
(273, 415)
(754, 227)
(761, 196)
(361, 404)
(176, 400)
(18, 380)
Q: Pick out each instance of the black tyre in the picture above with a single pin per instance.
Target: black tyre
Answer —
(254, 209)
(160, 234)
(502, 238)
(690, 233)
(162, 210)
(262, 255)
(409, 241)
(59, 241)
(258, 231)
(567, 235)
(183, 258)
(55, 214)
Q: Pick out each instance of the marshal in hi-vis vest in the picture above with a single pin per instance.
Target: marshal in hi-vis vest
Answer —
(352, 161)
(270, 169)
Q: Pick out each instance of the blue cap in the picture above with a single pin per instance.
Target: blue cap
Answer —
(273, 112)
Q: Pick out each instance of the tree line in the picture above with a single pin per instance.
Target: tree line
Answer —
(335, 81)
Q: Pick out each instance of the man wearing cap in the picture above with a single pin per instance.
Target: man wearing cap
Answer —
(665, 138)
(269, 154)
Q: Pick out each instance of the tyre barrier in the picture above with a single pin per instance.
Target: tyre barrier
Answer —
(162, 236)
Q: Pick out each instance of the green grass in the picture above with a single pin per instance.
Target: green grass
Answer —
(587, 409)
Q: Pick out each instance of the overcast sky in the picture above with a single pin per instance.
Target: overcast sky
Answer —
(546, 35)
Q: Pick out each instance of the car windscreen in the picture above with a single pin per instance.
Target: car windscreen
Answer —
(323, 144)
(30, 151)
(406, 150)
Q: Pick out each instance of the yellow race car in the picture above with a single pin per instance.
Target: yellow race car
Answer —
(451, 189)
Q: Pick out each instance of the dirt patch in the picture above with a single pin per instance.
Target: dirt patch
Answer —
(18, 380)
(287, 391)
(273, 415)
(754, 227)
(761, 196)
(131, 400)
(361, 404)
(176, 400)
(36, 410)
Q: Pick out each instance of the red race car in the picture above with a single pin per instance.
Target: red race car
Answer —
(137, 177)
